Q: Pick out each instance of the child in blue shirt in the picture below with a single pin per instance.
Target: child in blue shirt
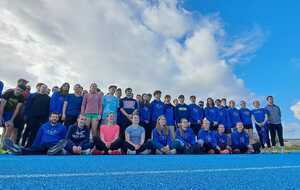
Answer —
(157, 108)
(234, 114)
(169, 112)
(222, 141)
(181, 110)
(246, 118)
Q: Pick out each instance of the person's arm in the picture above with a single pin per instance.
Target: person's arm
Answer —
(254, 120)
(142, 138)
(266, 119)
(156, 142)
(83, 104)
(63, 117)
(100, 107)
(127, 138)
(2, 105)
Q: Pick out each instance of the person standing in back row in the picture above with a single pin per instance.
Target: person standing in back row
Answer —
(275, 126)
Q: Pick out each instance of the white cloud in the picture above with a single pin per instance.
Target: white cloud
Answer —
(291, 130)
(296, 110)
(146, 45)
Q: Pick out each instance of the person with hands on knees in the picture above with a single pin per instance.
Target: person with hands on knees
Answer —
(135, 138)
(185, 142)
(240, 140)
(109, 141)
(162, 138)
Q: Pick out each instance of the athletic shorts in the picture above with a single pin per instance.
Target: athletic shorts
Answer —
(91, 116)
(248, 126)
(6, 117)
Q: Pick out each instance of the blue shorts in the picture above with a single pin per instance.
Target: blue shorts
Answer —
(6, 117)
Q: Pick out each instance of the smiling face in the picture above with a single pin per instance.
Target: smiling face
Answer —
(205, 125)
(240, 126)
(243, 104)
(135, 119)
(221, 129)
(54, 117)
(184, 124)
(93, 88)
(81, 121)
(110, 117)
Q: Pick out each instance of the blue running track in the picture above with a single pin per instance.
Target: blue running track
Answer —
(264, 171)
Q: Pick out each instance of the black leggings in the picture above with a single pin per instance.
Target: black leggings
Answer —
(276, 128)
(100, 145)
(127, 146)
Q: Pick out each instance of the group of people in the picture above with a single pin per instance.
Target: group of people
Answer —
(91, 122)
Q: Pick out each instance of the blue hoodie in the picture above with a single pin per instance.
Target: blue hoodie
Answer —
(208, 137)
(145, 112)
(223, 117)
(221, 139)
(77, 136)
(246, 114)
(234, 116)
(211, 114)
(187, 138)
(169, 114)
(196, 113)
(161, 140)
(57, 102)
(181, 111)
(157, 109)
(49, 135)
(239, 139)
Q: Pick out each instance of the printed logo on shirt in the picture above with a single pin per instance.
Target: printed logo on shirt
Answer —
(182, 109)
(128, 104)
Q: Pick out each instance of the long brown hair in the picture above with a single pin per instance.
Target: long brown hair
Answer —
(162, 129)
(181, 131)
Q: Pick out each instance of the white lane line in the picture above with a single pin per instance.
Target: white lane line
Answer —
(122, 173)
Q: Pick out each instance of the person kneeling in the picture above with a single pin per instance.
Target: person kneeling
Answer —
(162, 138)
(49, 140)
(207, 139)
(240, 140)
(135, 138)
(185, 142)
(109, 141)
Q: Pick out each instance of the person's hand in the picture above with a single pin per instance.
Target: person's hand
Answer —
(137, 147)
(75, 149)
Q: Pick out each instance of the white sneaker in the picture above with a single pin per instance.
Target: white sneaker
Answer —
(131, 152)
(173, 151)
(86, 152)
(145, 152)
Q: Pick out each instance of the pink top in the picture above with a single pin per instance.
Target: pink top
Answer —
(109, 133)
(92, 103)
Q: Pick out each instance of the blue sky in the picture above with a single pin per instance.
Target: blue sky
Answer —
(275, 67)
(235, 49)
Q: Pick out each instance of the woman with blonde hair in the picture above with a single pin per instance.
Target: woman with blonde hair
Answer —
(162, 137)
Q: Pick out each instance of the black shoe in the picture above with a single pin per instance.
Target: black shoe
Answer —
(10, 146)
(54, 150)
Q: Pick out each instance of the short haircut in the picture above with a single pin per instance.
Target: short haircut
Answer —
(269, 97)
(128, 89)
(156, 92)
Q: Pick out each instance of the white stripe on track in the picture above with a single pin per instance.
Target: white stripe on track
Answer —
(122, 173)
